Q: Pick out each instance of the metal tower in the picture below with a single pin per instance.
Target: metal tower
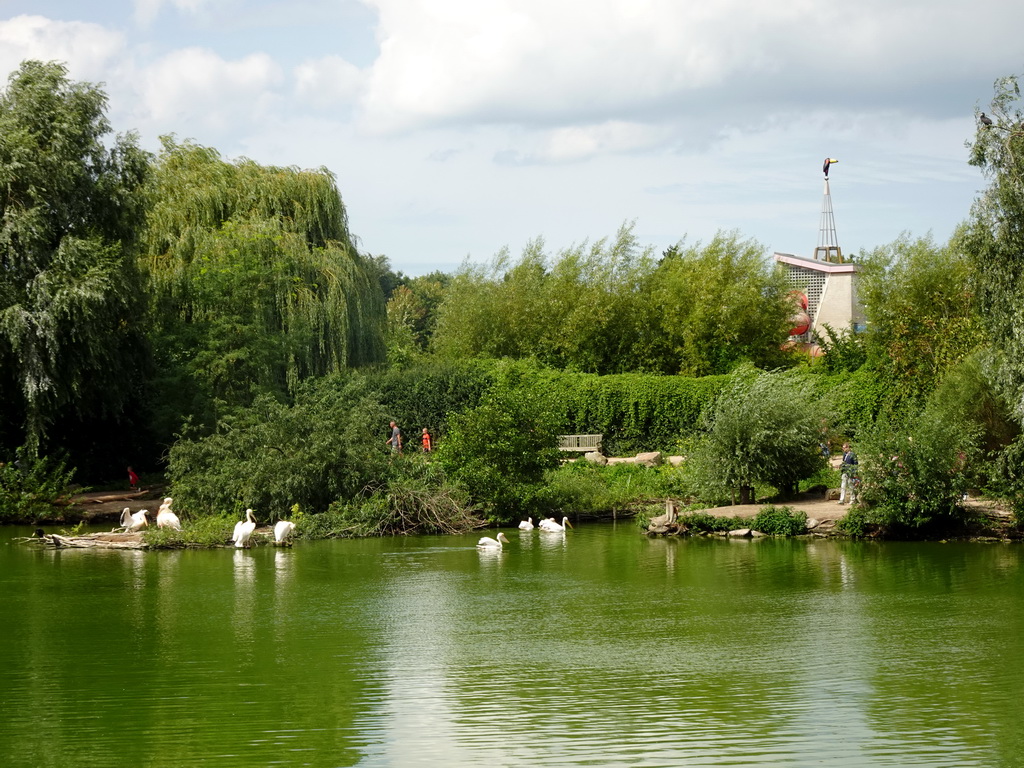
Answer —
(828, 243)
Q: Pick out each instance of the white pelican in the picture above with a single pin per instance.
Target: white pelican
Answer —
(551, 526)
(133, 522)
(526, 525)
(283, 531)
(165, 518)
(243, 530)
(488, 543)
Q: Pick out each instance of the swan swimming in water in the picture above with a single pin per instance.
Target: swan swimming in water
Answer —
(243, 530)
(551, 526)
(134, 522)
(526, 525)
(488, 543)
(283, 531)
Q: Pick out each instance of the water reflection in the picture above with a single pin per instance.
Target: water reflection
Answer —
(244, 569)
(610, 648)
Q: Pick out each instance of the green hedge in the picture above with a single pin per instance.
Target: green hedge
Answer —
(633, 411)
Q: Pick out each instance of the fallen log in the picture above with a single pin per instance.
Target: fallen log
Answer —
(90, 541)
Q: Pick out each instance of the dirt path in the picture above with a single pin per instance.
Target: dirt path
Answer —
(100, 506)
(828, 512)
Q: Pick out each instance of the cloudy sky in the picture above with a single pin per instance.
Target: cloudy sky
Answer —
(459, 127)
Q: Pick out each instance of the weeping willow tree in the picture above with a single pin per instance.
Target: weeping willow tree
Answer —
(70, 203)
(255, 280)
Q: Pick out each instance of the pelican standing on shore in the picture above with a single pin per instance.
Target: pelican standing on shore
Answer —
(165, 518)
(283, 531)
(243, 530)
(132, 523)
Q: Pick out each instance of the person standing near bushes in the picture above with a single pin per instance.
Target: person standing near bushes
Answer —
(848, 470)
(395, 441)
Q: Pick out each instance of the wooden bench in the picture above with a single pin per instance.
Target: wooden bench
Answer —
(581, 443)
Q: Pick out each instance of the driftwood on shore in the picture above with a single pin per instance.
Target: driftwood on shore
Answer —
(90, 541)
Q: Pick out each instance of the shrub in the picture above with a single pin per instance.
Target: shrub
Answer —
(207, 531)
(328, 446)
(1007, 481)
(702, 522)
(780, 521)
(500, 450)
(586, 488)
(29, 487)
(913, 476)
(854, 523)
(764, 428)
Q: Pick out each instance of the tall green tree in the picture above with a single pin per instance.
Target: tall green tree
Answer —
(763, 428)
(70, 294)
(994, 236)
(719, 304)
(256, 283)
(921, 311)
(612, 307)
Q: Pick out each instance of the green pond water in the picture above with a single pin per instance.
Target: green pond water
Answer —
(596, 647)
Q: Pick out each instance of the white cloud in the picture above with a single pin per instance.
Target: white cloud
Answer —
(196, 87)
(328, 81)
(557, 62)
(575, 143)
(86, 48)
(146, 11)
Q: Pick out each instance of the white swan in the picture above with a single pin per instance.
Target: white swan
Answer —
(488, 543)
(243, 530)
(134, 522)
(526, 525)
(165, 518)
(551, 526)
(283, 531)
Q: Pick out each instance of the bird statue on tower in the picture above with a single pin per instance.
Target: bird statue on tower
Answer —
(828, 161)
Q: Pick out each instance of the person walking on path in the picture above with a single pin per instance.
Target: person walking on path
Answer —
(848, 469)
(133, 479)
(395, 441)
(426, 441)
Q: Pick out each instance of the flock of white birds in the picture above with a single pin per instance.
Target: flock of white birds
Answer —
(284, 529)
(548, 525)
(241, 536)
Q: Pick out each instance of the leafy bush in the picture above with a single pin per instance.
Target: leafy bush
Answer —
(500, 450)
(918, 474)
(328, 446)
(856, 522)
(764, 428)
(632, 411)
(845, 349)
(702, 522)
(780, 521)
(585, 488)
(1007, 481)
(207, 531)
(29, 487)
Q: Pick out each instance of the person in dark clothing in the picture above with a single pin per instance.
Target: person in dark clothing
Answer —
(848, 470)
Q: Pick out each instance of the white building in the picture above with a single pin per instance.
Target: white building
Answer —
(827, 282)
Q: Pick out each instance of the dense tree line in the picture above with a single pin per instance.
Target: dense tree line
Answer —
(612, 307)
(215, 319)
(139, 294)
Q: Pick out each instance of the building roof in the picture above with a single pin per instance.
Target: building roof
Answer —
(816, 264)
